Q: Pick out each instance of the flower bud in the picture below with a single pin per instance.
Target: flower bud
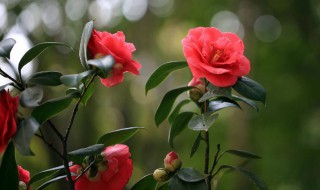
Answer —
(22, 185)
(196, 93)
(161, 175)
(172, 161)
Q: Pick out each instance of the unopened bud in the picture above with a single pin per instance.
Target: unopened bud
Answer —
(161, 175)
(172, 161)
(22, 185)
(196, 93)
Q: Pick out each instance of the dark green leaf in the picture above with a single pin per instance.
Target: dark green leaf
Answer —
(250, 89)
(177, 109)
(203, 121)
(190, 175)
(46, 173)
(162, 72)
(9, 178)
(166, 104)
(88, 151)
(44, 185)
(87, 95)
(31, 97)
(35, 51)
(104, 65)
(255, 179)
(75, 79)
(46, 78)
(118, 136)
(145, 183)
(86, 34)
(26, 129)
(196, 144)
(177, 184)
(52, 107)
(214, 91)
(6, 47)
(73, 91)
(247, 101)
(178, 125)
(243, 154)
(164, 187)
(220, 103)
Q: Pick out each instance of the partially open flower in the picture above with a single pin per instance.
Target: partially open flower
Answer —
(161, 174)
(24, 178)
(172, 161)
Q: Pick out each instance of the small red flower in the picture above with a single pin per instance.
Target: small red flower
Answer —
(105, 43)
(172, 161)
(215, 56)
(24, 177)
(112, 173)
(8, 112)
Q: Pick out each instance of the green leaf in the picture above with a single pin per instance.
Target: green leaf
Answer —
(145, 183)
(247, 101)
(243, 154)
(51, 108)
(88, 151)
(178, 125)
(190, 175)
(214, 91)
(74, 80)
(196, 144)
(44, 185)
(220, 103)
(166, 104)
(86, 34)
(6, 47)
(177, 184)
(88, 94)
(118, 136)
(164, 187)
(46, 78)
(36, 51)
(104, 65)
(177, 109)
(202, 122)
(31, 97)
(46, 174)
(26, 129)
(250, 89)
(9, 178)
(163, 72)
(254, 178)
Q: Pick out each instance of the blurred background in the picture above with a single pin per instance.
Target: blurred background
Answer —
(282, 42)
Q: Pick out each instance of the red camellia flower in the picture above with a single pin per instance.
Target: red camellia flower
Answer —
(111, 173)
(215, 56)
(8, 112)
(24, 177)
(104, 43)
(172, 161)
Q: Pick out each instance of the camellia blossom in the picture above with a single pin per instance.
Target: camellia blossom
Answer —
(111, 173)
(172, 161)
(216, 56)
(104, 43)
(8, 116)
(24, 178)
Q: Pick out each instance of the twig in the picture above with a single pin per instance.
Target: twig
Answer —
(50, 145)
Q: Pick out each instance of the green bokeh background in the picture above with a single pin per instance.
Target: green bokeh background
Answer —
(286, 132)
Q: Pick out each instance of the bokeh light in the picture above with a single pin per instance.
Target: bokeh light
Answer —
(267, 28)
(134, 10)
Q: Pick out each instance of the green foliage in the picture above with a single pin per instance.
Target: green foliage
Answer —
(31, 97)
(250, 89)
(203, 122)
(221, 103)
(214, 91)
(118, 136)
(9, 178)
(190, 175)
(46, 174)
(88, 94)
(44, 185)
(74, 80)
(145, 183)
(6, 47)
(247, 101)
(86, 34)
(77, 156)
(46, 78)
(196, 145)
(103, 65)
(162, 73)
(26, 129)
(176, 183)
(177, 109)
(242, 153)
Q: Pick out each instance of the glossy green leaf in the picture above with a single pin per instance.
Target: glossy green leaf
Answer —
(242, 153)
(166, 104)
(247, 101)
(104, 65)
(254, 178)
(178, 125)
(51, 108)
(177, 184)
(31, 97)
(26, 129)
(6, 46)
(44, 185)
(250, 89)
(74, 80)
(9, 178)
(202, 122)
(45, 78)
(196, 145)
(162, 73)
(118, 136)
(88, 151)
(36, 51)
(190, 175)
(46, 174)
(214, 91)
(177, 109)
(145, 183)
(88, 94)
(221, 103)
(86, 34)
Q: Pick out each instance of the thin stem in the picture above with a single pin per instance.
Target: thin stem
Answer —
(216, 159)
(50, 145)
(19, 85)
(53, 127)
(85, 170)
